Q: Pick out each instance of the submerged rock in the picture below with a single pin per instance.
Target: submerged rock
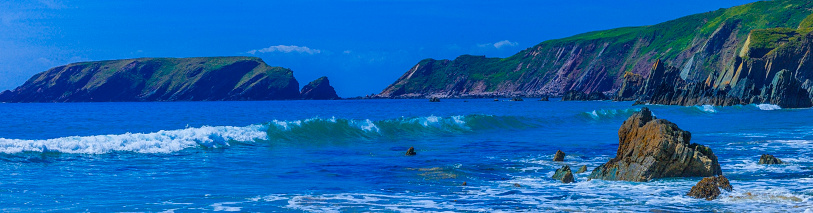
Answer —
(652, 148)
(559, 156)
(496, 99)
(769, 159)
(411, 151)
(434, 99)
(709, 187)
(581, 170)
(564, 174)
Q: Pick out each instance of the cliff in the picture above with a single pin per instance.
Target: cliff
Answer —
(698, 45)
(773, 67)
(319, 89)
(159, 79)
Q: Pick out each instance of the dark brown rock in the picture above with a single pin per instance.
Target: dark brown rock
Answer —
(434, 99)
(769, 159)
(517, 99)
(564, 174)
(559, 156)
(411, 151)
(652, 148)
(709, 188)
(544, 98)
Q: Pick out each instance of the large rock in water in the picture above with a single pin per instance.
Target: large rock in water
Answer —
(159, 79)
(319, 89)
(656, 148)
(563, 174)
(769, 159)
(709, 188)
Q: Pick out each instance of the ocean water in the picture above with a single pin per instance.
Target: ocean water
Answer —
(348, 156)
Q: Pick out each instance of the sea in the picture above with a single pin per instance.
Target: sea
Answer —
(473, 155)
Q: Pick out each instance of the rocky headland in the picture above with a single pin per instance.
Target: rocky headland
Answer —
(166, 79)
(753, 53)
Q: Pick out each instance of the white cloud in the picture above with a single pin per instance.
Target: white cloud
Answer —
(505, 43)
(499, 44)
(286, 49)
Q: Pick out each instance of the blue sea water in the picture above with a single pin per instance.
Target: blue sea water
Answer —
(348, 156)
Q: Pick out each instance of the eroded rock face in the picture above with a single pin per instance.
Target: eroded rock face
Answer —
(581, 169)
(709, 188)
(319, 89)
(652, 148)
(574, 95)
(559, 156)
(769, 159)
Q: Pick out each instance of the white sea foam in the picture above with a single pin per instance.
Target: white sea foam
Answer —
(707, 108)
(164, 141)
(768, 107)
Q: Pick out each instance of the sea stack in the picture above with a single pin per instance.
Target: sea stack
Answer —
(769, 159)
(652, 148)
(563, 174)
(559, 156)
(709, 188)
(319, 89)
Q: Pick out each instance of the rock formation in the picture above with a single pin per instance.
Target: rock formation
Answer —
(319, 89)
(574, 95)
(559, 156)
(411, 151)
(563, 174)
(769, 159)
(434, 99)
(652, 148)
(709, 188)
(544, 98)
(517, 99)
(581, 170)
(159, 79)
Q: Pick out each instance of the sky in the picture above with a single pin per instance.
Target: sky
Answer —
(361, 45)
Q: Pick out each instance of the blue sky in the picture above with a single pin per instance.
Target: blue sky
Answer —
(361, 45)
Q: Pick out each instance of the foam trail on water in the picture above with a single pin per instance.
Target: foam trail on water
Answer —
(768, 107)
(164, 141)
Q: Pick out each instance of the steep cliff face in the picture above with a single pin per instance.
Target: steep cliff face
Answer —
(598, 61)
(774, 66)
(159, 79)
(319, 89)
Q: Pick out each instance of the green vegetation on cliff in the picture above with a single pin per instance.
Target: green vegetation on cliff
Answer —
(698, 44)
(159, 79)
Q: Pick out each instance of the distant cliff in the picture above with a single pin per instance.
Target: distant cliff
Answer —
(699, 46)
(159, 79)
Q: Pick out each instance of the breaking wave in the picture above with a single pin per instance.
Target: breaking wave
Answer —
(307, 130)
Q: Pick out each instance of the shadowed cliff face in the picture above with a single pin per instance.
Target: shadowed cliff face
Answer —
(159, 79)
(697, 45)
(773, 67)
(319, 89)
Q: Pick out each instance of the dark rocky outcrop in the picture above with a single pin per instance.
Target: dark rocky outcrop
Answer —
(411, 151)
(544, 98)
(319, 89)
(517, 99)
(769, 159)
(709, 188)
(652, 148)
(574, 95)
(582, 169)
(563, 174)
(618, 61)
(434, 99)
(559, 156)
(159, 79)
